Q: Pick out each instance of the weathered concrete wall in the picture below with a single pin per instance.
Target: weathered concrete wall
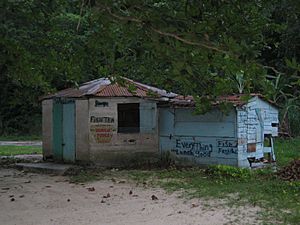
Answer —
(107, 146)
(198, 139)
(82, 130)
(47, 127)
(255, 120)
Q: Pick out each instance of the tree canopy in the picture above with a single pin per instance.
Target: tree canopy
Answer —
(192, 47)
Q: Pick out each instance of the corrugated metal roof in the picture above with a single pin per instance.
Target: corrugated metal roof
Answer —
(151, 89)
(235, 99)
(183, 101)
(105, 88)
(117, 90)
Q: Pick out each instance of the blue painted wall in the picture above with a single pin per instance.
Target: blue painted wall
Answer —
(199, 139)
(148, 120)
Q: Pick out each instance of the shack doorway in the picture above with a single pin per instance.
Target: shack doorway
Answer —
(64, 130)
(269, 148)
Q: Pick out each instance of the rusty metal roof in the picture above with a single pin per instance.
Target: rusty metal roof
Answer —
(104, 87)
(117, 90)
(183, 101)
(235, 99)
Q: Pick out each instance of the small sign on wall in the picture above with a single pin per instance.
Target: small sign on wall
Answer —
(102, 128)
(102, 133)
(102, 119)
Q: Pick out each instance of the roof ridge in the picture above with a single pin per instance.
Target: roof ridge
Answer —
(100, 87)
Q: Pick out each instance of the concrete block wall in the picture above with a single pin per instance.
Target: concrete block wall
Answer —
(47, 131)
(82, 130)
(107, 147)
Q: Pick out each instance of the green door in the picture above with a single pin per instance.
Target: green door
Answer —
(64, 130)
(69, 132)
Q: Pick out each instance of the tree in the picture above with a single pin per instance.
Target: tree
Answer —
(193, 47)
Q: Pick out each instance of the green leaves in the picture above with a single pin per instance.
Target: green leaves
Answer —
(293, 64)
(190, 47)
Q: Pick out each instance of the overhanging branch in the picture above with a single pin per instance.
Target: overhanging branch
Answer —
(272, 68)
(167, 34)
(183, 40)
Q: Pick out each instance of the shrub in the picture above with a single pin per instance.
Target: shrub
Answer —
(223, 171)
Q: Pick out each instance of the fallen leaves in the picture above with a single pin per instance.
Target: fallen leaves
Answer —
(121, 182)
(90, 189)
(291, 172)
(154, 198)
(106, 196)
(194, 205)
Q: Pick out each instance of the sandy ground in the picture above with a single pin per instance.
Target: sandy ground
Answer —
(27, 198)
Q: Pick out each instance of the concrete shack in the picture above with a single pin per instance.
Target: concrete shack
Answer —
(110, 124)
(102, 122)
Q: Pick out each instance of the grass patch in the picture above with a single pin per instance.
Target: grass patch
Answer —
(278, 199)
(84, 177)
(286, 150)
(21, 138)
(19, 150)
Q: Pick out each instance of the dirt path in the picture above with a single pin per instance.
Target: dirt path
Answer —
(27, 198)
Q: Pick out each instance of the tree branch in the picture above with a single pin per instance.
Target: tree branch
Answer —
(80, 14)
(183, 40)
(172, 35)
(122, 17)
(188, 41)
(272, 68)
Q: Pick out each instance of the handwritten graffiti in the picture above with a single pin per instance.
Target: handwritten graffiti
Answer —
(101, 104)
(227, 147)
(95, 119)
(102, 133)
(196, 149)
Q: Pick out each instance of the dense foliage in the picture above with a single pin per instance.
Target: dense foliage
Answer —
(202, 48)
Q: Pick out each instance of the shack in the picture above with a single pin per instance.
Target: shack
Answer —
(239, 137)
(113, 123)
(102, 122)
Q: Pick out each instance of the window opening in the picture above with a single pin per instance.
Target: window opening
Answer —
(128, 118)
